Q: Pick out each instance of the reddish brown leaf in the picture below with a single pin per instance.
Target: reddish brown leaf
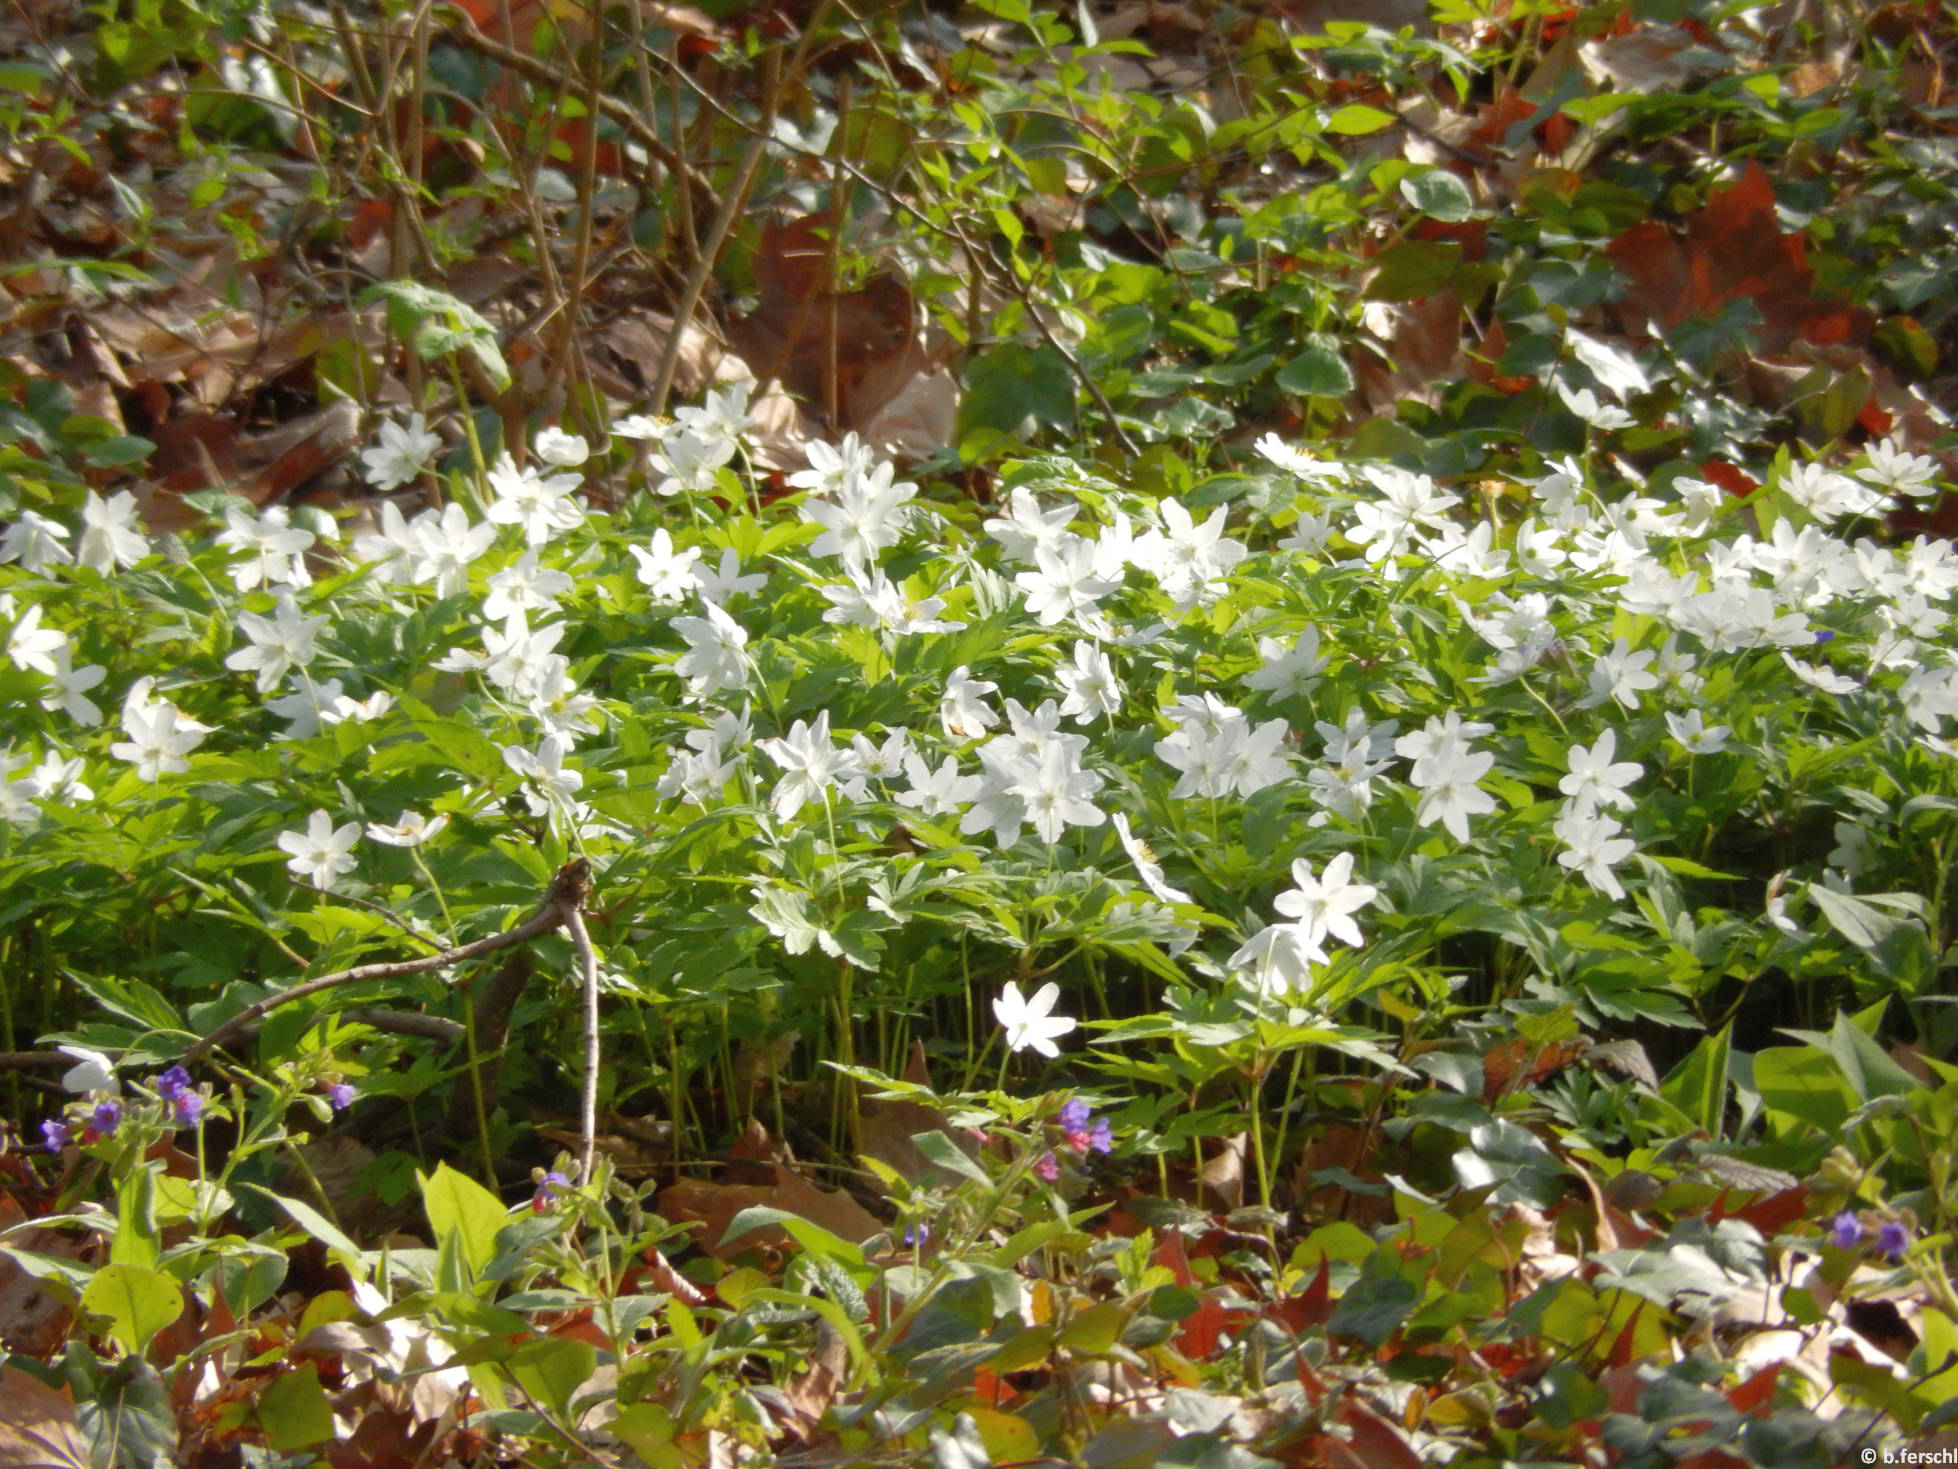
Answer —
(1757, 1393)
(1309, 1308)
(857, 348)
(1734, 481)
(1375, 1443)
(1772, 1214)
(1172, 1256)
(1730, 249)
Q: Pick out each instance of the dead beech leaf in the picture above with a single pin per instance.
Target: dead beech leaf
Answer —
(855, 348)
(670, 1280)
(1420, 349)
(639, 338)
(714, 1206)
(885, 1130)
(1730, 249)
(922, 418)
(757, 1145)
(38, 1428)
(1652, 59)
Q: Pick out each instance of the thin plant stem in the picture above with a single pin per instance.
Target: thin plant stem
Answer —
(574, 923)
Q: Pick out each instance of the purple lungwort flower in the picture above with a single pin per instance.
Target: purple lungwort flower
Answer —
(1048, 1168)
(1893, 1239)
(1083, 1131)
(549, 1186)
(172, 1084)
(1846, 1231)
(55, 1135)
(104, 1120)
(189, 1106)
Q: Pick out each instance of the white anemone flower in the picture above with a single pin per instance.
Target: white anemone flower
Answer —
(411, 829)
(95, 1073)
(322, 852)
(1031, 1024)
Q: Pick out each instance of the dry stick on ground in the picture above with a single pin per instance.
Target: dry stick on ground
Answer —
(561, 904)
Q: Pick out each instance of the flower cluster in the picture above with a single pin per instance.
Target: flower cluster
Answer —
(1887, 1234)
(100, 1113)
(1236, 741)
(1081, 1131)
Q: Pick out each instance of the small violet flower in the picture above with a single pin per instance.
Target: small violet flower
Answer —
(1846, 1231)
(186, 1103)
(103, 1121)
(340, 1095)
(55, 1135)
(549, 1186)
(1048, 1168)
(1893, 1239)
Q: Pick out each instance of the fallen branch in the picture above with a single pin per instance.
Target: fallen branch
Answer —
(561, 903)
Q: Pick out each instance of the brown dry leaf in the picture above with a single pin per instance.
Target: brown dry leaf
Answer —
(920, 420)
(757, 1145)
(714, 1205)
(809, 1393)
(885, 1130)
(1421, 348)
(1653, 59)
(639, 338)
(859, 345)
(1367, 1441)
(1345, 1147)
(33, 1319)
(1222, 1176)
(886, 1127)
(670, 1280)
(1732, 248)
(38, 1429)
(202, 451)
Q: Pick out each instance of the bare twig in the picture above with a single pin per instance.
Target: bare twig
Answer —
(567, 892)
(33, 1060)
(407, 1022)
(574, 923)
(621, 112)
(948, 229)
(710, 248)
